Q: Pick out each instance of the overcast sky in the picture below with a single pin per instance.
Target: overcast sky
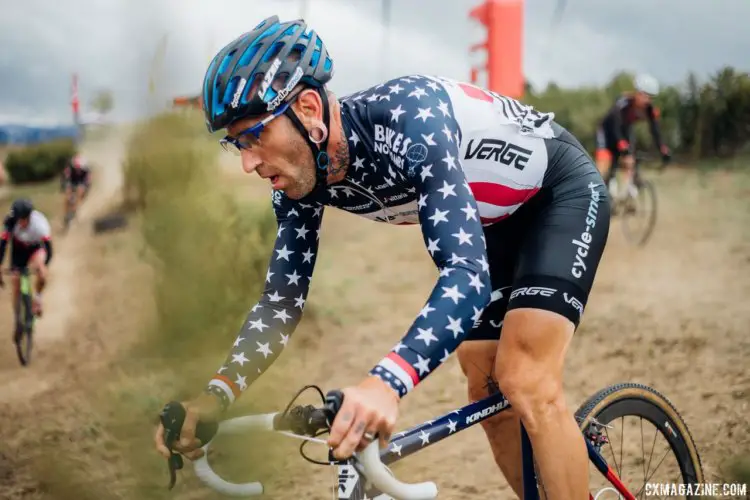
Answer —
(112, 44)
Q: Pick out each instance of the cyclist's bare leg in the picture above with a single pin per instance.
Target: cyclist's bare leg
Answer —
(529, 369)
(80, 191)
(628, 170)
(15, 281)
(477, 359)
(66, 200)
(36, 262)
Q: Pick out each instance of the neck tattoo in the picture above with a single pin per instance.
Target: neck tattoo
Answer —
(340, 160)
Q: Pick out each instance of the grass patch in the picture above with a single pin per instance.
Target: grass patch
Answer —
(46, 197)
(209, 254)
(209, 249)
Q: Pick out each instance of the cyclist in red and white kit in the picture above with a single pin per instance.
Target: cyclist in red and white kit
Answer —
(29, 234)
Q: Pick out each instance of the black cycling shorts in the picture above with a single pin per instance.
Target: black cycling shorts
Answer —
(545, 255)
(21, 254)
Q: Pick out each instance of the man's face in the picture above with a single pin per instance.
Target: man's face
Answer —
(642, 99)
(24, 222)
(280, 155)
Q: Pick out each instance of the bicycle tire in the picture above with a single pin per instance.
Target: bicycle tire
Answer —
(637, 400)
(645, 188)
(24, 341)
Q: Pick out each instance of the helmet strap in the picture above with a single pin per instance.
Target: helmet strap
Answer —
(319, 151)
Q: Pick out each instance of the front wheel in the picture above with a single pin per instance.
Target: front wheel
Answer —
(663, 453)
(24, 330)
(639, 213)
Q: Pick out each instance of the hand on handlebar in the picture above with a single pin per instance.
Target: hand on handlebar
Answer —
(203, 409)
(368, 408)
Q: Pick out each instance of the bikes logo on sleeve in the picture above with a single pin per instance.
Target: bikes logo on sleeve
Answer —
(415, 155)
(583, 244)
(499, 151)
(395, 145)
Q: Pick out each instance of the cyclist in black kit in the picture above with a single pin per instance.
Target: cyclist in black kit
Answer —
(614, 134)
(76, 179)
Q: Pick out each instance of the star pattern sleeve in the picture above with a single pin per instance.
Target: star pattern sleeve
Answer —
(274, 318)
(454, 237)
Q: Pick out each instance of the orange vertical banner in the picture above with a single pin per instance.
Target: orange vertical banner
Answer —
(505, 47)
(504, 22)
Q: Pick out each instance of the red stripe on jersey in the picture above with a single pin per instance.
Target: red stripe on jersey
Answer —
(492, 220)
(401, 362)
(235, 389)
(499, 195)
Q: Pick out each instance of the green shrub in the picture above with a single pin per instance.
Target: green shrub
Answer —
(210, 250)
(40, 162)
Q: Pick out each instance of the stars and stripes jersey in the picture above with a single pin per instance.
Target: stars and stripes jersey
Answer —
(447, 155)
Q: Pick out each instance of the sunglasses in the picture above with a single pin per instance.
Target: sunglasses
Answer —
(250, 137)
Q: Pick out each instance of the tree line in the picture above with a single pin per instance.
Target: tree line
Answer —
(698, 119)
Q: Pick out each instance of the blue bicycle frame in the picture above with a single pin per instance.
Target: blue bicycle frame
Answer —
(432, 431)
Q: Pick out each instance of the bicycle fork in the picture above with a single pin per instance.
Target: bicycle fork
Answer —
(531, 484)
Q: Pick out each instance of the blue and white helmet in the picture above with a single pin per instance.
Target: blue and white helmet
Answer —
(253, 74)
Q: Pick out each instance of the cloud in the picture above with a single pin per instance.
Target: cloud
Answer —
(114, 44)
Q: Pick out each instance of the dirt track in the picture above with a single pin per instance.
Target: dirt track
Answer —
(68, 268)
(672, 315)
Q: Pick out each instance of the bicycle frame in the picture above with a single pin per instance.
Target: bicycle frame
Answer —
(430, 432)
(24, 290)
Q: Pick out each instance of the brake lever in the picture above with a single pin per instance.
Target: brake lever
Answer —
(172, 417)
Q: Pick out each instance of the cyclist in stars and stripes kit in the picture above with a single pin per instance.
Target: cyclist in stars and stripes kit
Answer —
(512, 210)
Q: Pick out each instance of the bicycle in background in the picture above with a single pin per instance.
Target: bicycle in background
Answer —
(636, 205)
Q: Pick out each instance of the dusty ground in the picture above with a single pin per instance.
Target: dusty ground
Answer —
(672, 315)
(43, 403)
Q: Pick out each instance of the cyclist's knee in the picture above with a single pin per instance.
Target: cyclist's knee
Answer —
(530, 364)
